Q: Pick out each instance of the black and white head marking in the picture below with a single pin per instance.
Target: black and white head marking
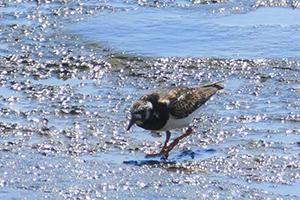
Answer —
(140, 112)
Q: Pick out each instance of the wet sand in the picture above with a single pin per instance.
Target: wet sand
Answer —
(64, 104)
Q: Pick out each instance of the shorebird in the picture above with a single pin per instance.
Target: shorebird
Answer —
(170, 108)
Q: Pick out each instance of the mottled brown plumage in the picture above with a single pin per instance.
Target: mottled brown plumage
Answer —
(184, 101)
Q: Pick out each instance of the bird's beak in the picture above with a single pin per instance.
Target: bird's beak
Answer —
(131, 122)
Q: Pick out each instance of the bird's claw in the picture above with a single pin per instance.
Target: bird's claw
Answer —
(163, 154)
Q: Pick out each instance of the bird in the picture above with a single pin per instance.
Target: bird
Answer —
(170, 108)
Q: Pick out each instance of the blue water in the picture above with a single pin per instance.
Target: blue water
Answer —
(63, 125)
(197, 32)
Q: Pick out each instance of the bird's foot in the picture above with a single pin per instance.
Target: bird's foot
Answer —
(163, 154)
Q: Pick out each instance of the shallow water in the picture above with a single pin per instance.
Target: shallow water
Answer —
(197, 32)
(66, 87)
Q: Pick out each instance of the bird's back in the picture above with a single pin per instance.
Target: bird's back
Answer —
(183, 101)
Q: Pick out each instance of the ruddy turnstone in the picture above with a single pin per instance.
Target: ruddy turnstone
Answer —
(170, 108)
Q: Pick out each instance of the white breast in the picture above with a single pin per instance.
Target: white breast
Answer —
(174, 123)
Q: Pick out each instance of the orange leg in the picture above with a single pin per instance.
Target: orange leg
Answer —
(166, 149)
(175, 142)
(168, 135)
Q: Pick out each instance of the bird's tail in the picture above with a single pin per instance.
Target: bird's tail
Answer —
(210, 89)
(217, 85)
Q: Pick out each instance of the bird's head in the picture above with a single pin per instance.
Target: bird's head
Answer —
(140, 111)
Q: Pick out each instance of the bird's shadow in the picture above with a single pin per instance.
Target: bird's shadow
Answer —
(183, 156)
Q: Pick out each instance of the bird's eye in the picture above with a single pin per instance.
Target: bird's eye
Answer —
(139, 112)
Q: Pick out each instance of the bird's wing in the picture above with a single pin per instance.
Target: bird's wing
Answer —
(183, 101)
